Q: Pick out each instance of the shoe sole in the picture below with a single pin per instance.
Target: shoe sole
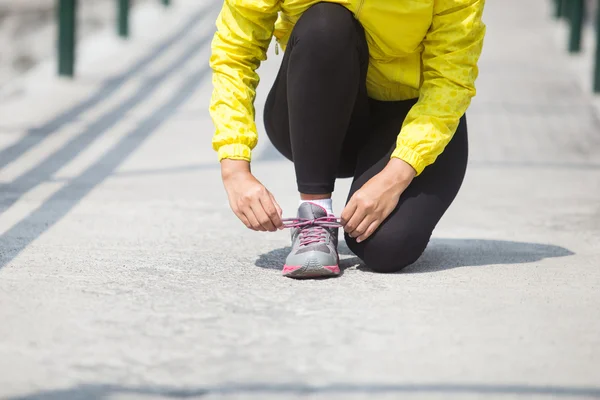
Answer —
(310, 271)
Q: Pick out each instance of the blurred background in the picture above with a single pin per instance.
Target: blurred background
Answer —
(28, 30)
(125, 275)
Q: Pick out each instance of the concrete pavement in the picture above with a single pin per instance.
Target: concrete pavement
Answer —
(124, 275)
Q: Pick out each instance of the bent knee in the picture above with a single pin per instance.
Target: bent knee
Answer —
(325, 26)
(388, 255)
(384, 266)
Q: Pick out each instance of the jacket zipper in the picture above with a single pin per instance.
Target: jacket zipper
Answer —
(359, 8)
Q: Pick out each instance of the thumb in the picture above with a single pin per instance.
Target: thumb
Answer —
(279, 210)
(348, 211)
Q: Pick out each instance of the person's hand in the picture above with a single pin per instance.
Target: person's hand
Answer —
(375, 201)
(253, 204)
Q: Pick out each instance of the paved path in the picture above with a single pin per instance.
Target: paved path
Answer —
(123, 274)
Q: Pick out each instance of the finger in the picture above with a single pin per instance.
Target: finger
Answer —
(362, 227)
(355, 221)
(279, 211)
(240, 214)
(268, 204)
(372, 228)
(243, 218)
(249, 213)
(348, 211)
(261, 216)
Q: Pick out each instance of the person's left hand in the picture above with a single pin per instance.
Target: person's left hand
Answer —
(375, 201)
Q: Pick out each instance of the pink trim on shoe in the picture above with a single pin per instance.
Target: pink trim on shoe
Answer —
(333, 269)
(288, 269)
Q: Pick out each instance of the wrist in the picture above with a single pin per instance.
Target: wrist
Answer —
(399, 171)
(231, 168)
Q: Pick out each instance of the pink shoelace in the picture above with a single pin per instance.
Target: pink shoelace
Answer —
(312, 230)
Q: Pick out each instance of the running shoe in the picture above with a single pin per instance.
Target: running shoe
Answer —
(314, 244)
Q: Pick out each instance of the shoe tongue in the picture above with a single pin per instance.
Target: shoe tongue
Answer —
(311, 211)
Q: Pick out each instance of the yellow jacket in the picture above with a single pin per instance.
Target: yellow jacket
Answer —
(418, 48)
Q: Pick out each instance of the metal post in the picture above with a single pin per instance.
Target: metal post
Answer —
(123, 18)
(166, 2)
(576, 13)
(597, 64)
(67, 33)
(559, 8)
(565, 8)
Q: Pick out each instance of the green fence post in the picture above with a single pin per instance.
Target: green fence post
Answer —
(576, 14)
(565, 8)
(597, 64)
(166, 2)
(67, 32)
(123, 18)
(559, 9)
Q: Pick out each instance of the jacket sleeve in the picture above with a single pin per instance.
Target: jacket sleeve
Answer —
(451, 51)
(244, 32)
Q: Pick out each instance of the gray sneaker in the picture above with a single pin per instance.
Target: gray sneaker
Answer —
(314, 244)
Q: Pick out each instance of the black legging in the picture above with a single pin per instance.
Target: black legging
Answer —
(319, 116)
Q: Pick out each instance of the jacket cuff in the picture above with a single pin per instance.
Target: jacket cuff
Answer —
(411, 157)
(235, 151)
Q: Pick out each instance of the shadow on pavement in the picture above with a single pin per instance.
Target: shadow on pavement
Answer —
(443, 254)
(109, 88)
(100, 392)
(58, 205)
(275, 258)
(13, 191)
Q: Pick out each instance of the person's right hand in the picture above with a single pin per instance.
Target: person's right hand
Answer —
(253, 204)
